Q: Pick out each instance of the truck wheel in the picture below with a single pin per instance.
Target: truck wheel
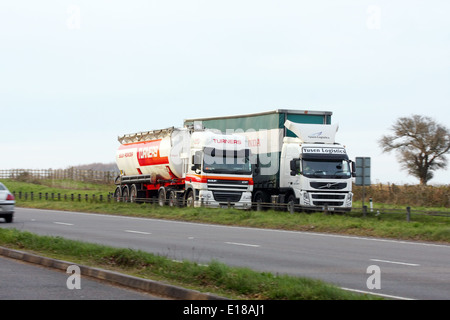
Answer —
(162, 197)
(190, 199)
(292, 198)
(133, 193)
(172, 199)
(126, 194)
(118, 194)
(291, 201)
(263, 198)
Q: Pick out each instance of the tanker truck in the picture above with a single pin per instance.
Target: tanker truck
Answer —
(184, 166)
(296, 160)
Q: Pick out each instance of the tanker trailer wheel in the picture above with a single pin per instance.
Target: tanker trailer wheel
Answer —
(162, 197)
(172, 199)
(133, 193)
(126, 194)
(118, 194)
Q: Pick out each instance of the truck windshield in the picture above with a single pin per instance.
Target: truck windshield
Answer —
(231, 164)
(336, 169)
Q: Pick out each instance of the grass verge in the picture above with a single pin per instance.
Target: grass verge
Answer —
(216, 278)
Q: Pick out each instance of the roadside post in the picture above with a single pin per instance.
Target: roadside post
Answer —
(363, 174)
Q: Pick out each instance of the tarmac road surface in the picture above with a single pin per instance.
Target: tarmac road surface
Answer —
(25, 281)
(398, 269)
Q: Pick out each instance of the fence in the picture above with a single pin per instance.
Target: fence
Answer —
(30, 175)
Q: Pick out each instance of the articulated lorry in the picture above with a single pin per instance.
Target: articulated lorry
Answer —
(185, 166)
(295, 157)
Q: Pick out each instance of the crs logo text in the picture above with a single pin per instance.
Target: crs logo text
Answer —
(148, 152)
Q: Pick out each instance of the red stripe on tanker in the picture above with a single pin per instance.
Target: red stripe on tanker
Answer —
(147, 152)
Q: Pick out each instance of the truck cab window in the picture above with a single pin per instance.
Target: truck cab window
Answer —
(221, 161)
(336, 169)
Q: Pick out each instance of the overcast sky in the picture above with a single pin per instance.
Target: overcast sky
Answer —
(76, 74)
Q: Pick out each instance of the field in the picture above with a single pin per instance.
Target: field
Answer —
(407, 195)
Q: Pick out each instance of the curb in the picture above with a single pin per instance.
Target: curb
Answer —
(149, 286)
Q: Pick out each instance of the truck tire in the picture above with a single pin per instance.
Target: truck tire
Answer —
(292, 198)
(118, 194)
(126, 194)
(291, 202)
(263, 198)
(190, 199)
(162, 197)
(133, 193)
(172, 199)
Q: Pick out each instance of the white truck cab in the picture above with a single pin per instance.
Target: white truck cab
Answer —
(317, 170)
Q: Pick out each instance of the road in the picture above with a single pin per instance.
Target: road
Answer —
(406, 270)
(24, 281)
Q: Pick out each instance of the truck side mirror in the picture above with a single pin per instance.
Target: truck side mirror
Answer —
(196, 160)
(295, 166)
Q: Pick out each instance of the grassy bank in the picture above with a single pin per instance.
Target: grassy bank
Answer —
(216, 278)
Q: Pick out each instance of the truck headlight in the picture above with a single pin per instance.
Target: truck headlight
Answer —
(306, 198)
(349, 199)
(205, 194)
(246, 196)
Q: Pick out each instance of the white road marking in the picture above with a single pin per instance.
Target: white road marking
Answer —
(243, 244)
(63, 223)
(377, 294)
(134, 231)
(397, 262)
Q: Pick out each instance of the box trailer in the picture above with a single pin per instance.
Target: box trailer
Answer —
(295, 157)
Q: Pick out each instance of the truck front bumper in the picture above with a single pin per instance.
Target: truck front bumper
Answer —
(326, 201)
(208, 199)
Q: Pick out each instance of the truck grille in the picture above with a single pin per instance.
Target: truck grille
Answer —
(229, 185)
(227, 196)
(328, 199)
(328, 185)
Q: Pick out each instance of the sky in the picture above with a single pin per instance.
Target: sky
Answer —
(74, 75)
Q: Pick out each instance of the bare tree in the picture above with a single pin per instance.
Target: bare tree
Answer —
(421, 144)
